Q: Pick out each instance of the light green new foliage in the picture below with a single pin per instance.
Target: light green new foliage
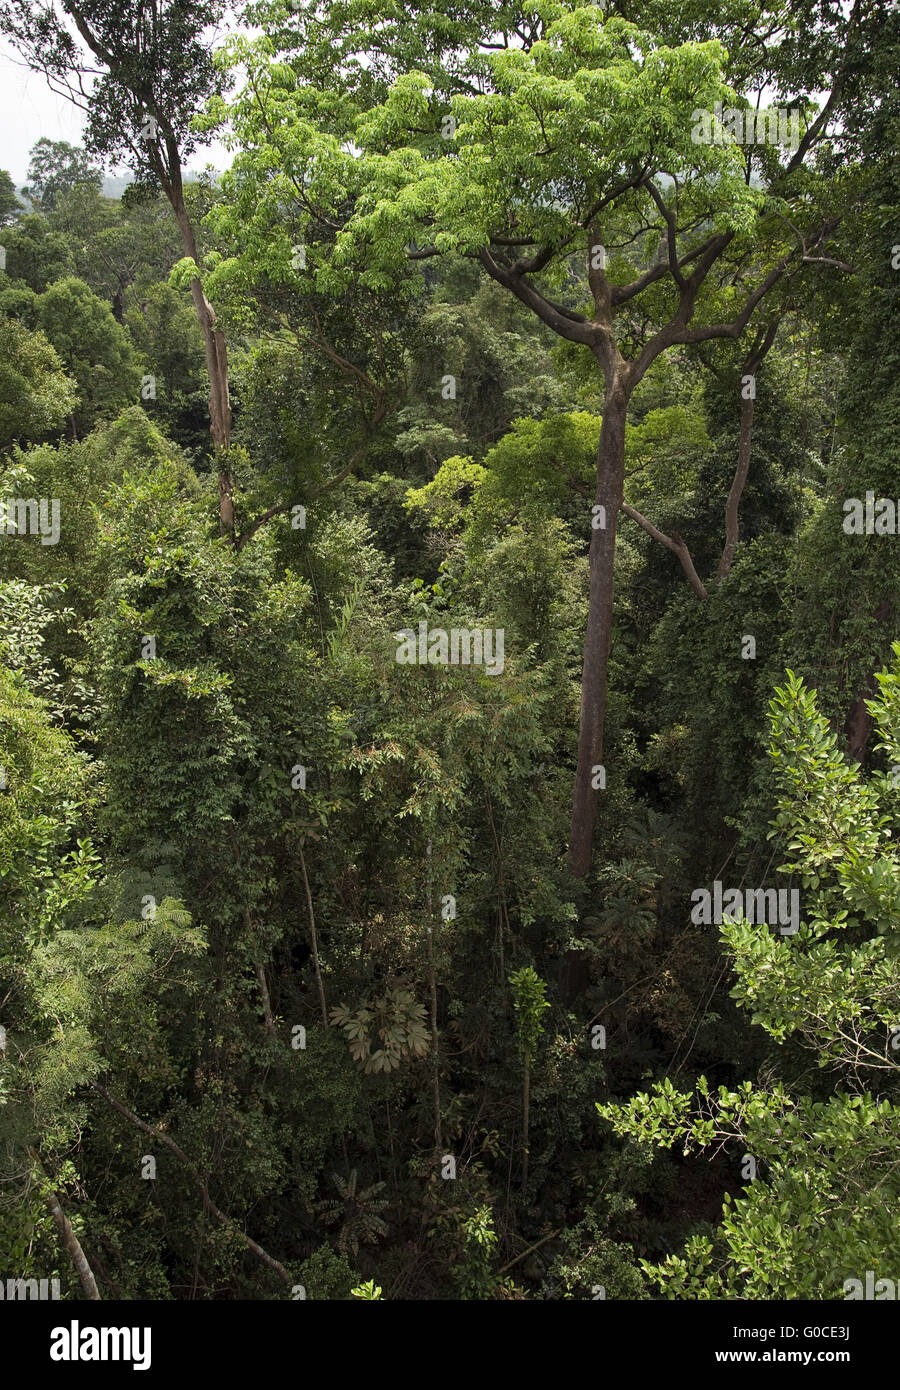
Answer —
(559, 125)
(820, 1208)
(552, 133)
(529, 1002)
(539, 465)
(369, 1291)
(475, 1276)
(440, 500)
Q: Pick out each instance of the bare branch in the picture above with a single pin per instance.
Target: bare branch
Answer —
(671, 231)
(675, 544)
(568, 325)
(209, 1205)
(761, 345)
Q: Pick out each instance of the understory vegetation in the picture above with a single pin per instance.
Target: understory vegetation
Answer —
(343, 955)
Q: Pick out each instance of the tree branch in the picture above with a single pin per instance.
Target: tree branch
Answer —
(568, 325)
(208, 1204)
(69, 1239)
(673, 543)
(764, 340)
(671, 231)
(282, 507)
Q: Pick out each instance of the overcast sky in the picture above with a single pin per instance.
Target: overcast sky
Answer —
(29, 110)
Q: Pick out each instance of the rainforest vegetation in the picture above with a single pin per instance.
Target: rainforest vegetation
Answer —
(450, 651)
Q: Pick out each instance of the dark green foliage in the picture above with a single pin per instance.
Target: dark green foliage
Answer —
(55, 168)
(290, 916)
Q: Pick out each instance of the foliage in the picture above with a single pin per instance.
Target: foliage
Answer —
(36, 392)
(293, 916)
(819, 1209)
(55, 168)
(357, 1211)
(369, 1290)
(93, 348)
(475, 1277)
(396, 1019)
(529, 1002)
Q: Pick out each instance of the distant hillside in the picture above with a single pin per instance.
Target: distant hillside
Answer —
(114, 185)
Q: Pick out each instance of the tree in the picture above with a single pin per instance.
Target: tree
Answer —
(595, 123)
(10, 204)
(93, 347)
(529, 1002)
(36, 254)
(36, 394)
(121, 248)
(55, 168)
(164, 329)
(155, 72)
(823, 1181)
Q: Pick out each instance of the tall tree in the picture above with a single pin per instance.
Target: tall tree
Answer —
(10, 205)
(56, 167)
(579, 135)
(149, 68)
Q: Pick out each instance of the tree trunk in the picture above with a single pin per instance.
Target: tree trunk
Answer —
(73, 1248)
(216, 366)
(610, 489)
(314, 939)
(118, 302)
(435, 1036)
(732, 506)
(761, 346)
(71, 1243)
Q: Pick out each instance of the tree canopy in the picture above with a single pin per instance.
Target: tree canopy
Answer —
(449, 666)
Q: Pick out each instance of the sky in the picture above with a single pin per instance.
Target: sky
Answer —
(28, 110)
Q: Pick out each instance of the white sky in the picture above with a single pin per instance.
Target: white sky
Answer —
(30, 110)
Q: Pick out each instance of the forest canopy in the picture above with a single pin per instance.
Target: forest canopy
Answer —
(450, 652)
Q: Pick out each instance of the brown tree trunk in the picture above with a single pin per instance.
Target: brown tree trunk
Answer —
(71, 1243)
(763, 342)
(73, 1248)
(313, 936)
(266, 1000)
(435, 1035)
(673, 543)
(610, 489)
(118, 303)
